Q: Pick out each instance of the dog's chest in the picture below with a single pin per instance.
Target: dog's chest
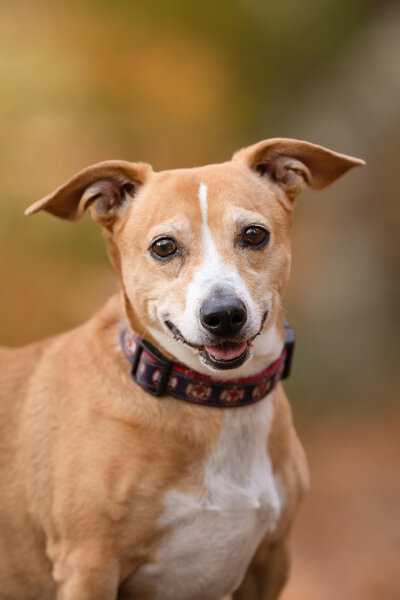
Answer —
(211, 537)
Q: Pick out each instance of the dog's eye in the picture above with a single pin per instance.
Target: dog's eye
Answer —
(164, 248)
(255, 236)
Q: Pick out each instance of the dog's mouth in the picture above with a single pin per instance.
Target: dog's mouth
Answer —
(225, 355)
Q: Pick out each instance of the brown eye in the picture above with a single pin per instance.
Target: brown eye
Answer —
(255, 236)
(164, 248)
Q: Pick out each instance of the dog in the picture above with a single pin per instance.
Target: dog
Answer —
(150, 453)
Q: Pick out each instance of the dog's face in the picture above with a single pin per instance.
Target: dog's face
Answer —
(204, 259)
(204, 254)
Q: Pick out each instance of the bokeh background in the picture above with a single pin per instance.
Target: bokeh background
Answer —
(180, 83)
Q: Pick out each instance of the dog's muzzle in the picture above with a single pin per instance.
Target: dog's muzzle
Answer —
(224, 316)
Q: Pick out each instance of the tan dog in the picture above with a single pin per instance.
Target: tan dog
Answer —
(107, 491)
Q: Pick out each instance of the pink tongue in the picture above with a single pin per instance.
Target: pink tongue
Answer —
(226, 353)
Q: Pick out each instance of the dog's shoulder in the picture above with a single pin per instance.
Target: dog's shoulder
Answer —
(285, 450)
(16, 368)
(40, 368)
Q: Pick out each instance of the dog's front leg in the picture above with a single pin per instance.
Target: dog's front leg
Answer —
(267, 573)
(84, 575)
(88, 584)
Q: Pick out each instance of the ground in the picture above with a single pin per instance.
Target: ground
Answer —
(346, 542)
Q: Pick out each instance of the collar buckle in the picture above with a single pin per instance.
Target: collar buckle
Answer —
(289, 347)
(164, 362)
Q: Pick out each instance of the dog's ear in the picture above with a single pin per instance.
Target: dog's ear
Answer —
(293, 163)
(106, 187)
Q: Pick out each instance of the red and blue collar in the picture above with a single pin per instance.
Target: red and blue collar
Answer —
(159, 376)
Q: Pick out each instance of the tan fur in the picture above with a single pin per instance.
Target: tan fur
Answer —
(86, 456)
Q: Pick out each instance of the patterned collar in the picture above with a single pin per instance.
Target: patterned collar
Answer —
(159, 376)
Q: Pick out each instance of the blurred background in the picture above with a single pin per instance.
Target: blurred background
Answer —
(180, 84)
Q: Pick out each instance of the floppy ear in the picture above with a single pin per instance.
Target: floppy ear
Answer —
(293, 163)
(106, 187)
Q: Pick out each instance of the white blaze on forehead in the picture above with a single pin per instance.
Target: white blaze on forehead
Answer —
(213, 273)
(203, 204)
(208, 241)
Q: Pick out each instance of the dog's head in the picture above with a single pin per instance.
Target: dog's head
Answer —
(203, 254)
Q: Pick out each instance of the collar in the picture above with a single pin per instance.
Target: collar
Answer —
(159, 376)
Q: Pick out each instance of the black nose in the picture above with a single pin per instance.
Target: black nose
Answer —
(223, 314)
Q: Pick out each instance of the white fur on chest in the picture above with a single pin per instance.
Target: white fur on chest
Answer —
(213, 535)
